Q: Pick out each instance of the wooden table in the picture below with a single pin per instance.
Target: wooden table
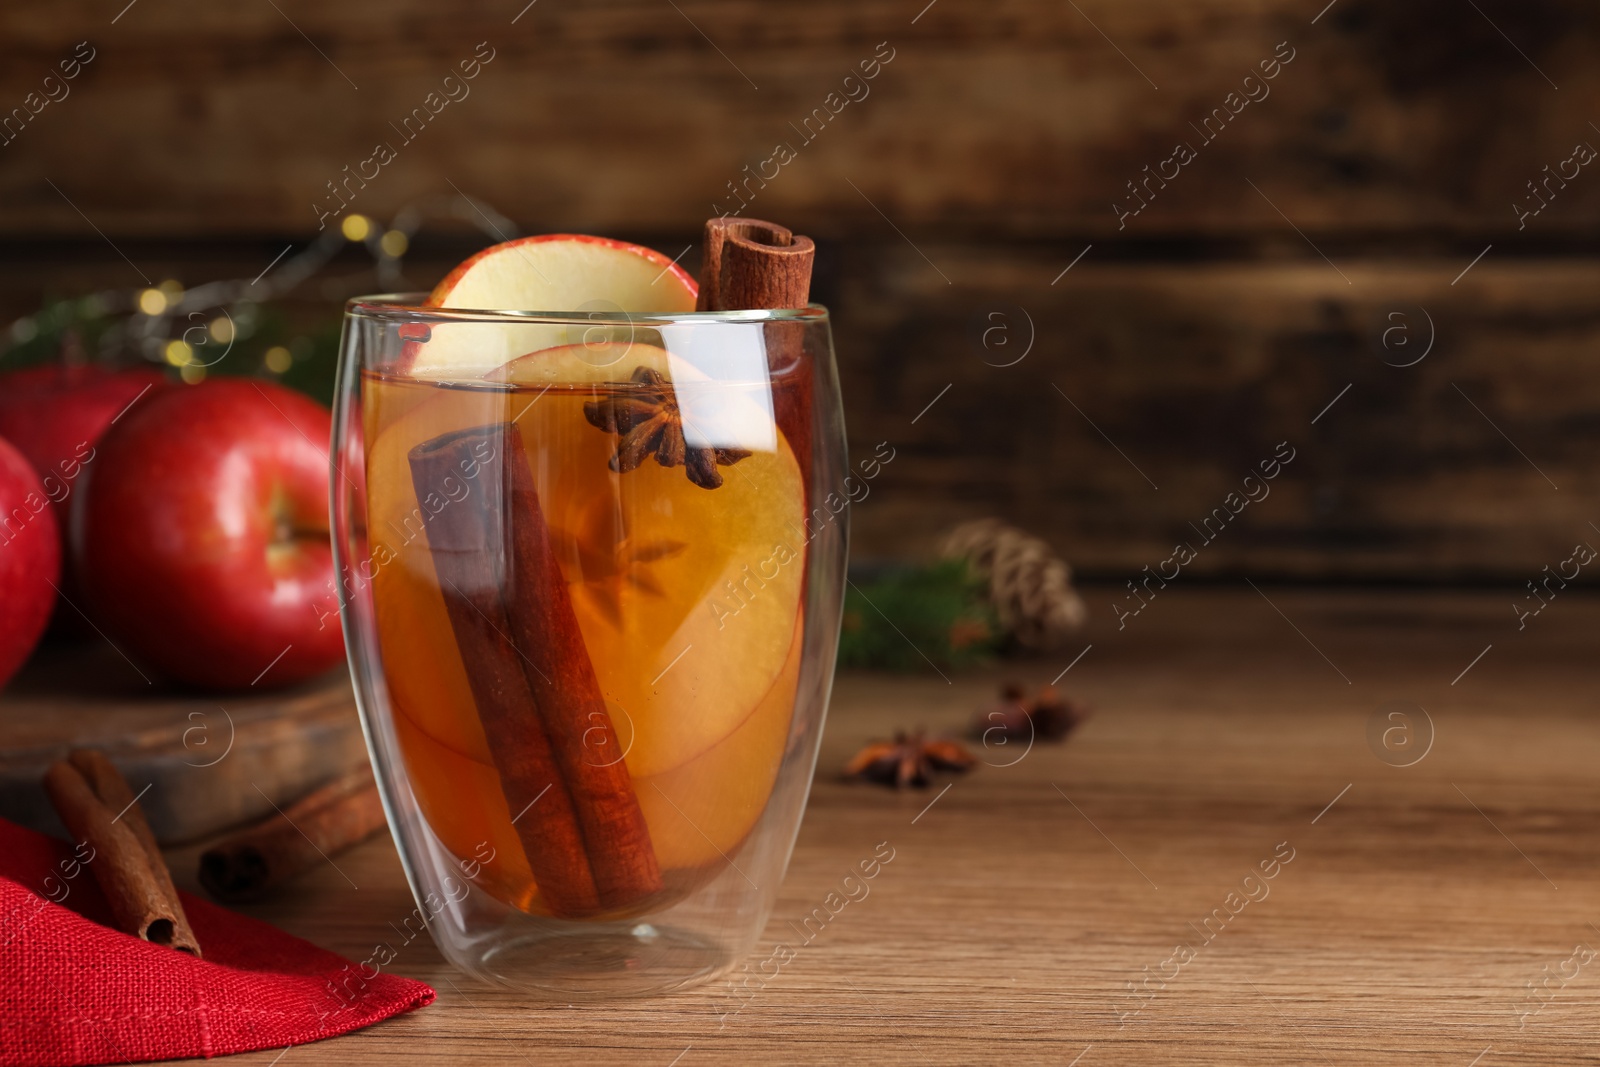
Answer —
(1419, 904)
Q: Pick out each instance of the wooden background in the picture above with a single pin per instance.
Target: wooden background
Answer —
(1163, 367)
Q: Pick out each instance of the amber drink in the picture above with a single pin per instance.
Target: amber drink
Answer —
(592, 601)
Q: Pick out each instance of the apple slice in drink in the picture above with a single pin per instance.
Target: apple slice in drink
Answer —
(700, 681)
(686, 597)
(564, 271)
(698, 813)
(553, 273)
(731, 592)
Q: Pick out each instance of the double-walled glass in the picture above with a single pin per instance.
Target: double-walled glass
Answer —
(591, 576)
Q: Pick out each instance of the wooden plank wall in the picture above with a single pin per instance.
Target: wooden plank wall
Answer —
(1317, 220)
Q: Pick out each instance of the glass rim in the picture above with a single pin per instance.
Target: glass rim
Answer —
(409, 307)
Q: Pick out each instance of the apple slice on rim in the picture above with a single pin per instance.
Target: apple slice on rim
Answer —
(555, 272)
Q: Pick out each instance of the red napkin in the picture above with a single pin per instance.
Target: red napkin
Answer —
(75, 991)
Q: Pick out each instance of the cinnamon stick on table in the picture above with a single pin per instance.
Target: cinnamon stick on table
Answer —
(320, 824)
(97, 806)
(534, 684)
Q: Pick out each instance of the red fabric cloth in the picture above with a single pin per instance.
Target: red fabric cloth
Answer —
(75, 991)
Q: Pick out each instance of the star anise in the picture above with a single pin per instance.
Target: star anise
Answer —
(649, 423)
(611, 558)
(909, 760)
(1049, 716)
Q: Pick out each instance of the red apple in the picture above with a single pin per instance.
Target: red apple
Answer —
(54, 415)
(30, 560)
(202, 538)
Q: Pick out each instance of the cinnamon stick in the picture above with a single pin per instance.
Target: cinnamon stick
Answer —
(324, 822)
(567, 694)
(749, 264)
(534, 684)
(97, 806)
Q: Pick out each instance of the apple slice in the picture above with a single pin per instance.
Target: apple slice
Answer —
(555, 273)
(699, 813)
(566, 272)
(656, 564)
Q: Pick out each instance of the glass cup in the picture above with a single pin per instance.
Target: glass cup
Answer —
(591, 582)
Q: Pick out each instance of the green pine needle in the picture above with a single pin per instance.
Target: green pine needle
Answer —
(915, 616)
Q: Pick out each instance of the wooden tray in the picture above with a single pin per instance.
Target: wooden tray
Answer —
(211, 761)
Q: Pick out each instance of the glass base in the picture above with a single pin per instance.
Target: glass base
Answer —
(641, 960)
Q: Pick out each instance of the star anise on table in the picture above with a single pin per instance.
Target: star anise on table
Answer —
(1048, 716)
(649, 423)
(909, 760)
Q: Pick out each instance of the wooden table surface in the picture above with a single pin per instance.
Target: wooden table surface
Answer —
(1419, 905)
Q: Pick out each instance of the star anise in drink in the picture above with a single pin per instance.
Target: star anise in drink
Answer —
(909, 760)
(614, 562)
(648, 423)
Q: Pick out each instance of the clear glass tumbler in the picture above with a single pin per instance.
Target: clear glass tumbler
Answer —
(591, 577)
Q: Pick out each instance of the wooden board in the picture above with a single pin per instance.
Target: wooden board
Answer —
(1016, 118)
(1419, 904)
(209, 762)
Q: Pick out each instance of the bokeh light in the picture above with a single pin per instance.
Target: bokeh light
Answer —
(394, 244)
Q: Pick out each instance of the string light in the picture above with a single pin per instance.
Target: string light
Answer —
(394, 243)
(169, 307)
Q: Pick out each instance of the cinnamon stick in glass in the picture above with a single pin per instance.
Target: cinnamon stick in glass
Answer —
(324, 822)
(468, 544)
(97, 806)
(750, 264)
(534, 684)
(567, 694)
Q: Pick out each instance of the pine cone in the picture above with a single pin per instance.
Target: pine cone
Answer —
(1029, 585)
